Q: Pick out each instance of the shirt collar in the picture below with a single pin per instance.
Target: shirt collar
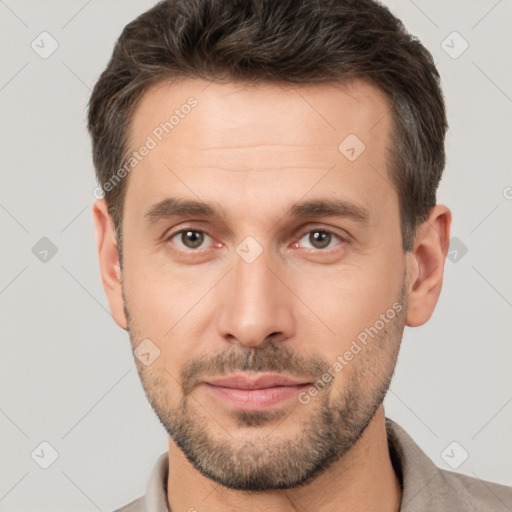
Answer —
(156, 489)
(414, 469)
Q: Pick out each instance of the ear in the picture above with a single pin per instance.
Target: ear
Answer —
(109, 261)
(425, 264)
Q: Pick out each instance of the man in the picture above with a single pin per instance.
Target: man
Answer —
(269, 227)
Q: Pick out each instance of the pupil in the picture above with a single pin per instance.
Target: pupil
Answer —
(192, 239)
(320, 239)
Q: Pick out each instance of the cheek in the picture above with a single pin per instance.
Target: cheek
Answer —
(160, 384)
(159, 297)
(158, 307)
(350, 302)
(347, 300)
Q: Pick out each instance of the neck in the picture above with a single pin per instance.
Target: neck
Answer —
(363, 479)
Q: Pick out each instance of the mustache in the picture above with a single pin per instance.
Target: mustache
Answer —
(272, 357)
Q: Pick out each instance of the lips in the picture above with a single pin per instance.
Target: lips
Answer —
(254, 393)
(259, 382)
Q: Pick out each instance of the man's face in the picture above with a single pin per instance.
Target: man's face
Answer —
(268, 285)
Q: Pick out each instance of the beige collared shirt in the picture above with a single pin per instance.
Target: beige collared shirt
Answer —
(426, 488)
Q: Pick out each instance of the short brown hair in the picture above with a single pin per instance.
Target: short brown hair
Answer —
(290, 41)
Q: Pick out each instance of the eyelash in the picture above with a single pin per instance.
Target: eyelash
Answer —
(300, 236)
(322, 230)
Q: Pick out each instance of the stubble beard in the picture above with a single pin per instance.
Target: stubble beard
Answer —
(258, 462)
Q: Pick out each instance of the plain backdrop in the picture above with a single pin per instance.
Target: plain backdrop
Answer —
(67, 373)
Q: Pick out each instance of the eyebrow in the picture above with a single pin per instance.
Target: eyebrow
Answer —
(330, 208)
(176, 207)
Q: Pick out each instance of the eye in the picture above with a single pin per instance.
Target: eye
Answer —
(318, 239)
(189, 239)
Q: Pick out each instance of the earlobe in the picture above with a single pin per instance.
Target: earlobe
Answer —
(109, 261)
(426, 265)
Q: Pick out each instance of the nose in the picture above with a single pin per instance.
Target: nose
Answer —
(255, 304)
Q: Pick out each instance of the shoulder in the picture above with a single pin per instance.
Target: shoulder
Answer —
(426, 487)
(155, 498)
(137, 505)
(477, 494)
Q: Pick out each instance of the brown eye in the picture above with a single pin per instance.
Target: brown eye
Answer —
(192, 239)
(189, 238)
(319, 239)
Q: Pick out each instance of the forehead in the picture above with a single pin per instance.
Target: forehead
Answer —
(241, 144)
(244, 118)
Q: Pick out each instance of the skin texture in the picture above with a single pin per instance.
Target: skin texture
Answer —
(252, 151)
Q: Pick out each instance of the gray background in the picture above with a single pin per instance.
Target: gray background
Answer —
(67, 374)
